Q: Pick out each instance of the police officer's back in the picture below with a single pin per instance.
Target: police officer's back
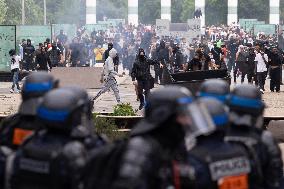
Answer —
(215, 88)
(246, 117)
(51, 158)
(16, 127)
(154, 139)
(217, 163)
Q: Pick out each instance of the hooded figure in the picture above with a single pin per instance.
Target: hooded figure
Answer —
(109, 76)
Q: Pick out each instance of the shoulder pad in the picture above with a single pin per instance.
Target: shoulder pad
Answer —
(268, 139)
(140, 144)
(75, 152)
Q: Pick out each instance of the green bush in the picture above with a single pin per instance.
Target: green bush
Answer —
(124, 110)
(107, 127)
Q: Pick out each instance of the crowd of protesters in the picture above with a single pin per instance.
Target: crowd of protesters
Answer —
(223, 47)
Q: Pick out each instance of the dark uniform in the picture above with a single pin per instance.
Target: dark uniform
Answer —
(246, 116)
(56, 156)
(16, 127)
(215, 88)
(216, 163)
(153, 140)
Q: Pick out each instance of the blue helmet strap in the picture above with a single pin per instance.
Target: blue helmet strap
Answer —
(222, 98)
(246, 102)
(221, 119)
(38, 87)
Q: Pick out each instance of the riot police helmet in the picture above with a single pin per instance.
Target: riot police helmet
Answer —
(215, 88)
(60, 110)
(163, 105)
(217, 110)
(246, 99)
(83, 96)
(246, 106)
(35, 86)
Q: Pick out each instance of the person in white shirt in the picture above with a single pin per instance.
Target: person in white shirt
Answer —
(261, 60)
(108, 76)
(15, 68)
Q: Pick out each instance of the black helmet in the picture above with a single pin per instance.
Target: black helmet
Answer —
(83, 96)
(215, 88)
(162, 105)
(60, 110)
(246, 99)
(218, 111)
(35, 86)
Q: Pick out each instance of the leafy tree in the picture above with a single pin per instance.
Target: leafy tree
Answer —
(149, 11)
(3, 8)
(34, 13)
(111, 9)
(182, 10)
(254, 9)
(216, 12)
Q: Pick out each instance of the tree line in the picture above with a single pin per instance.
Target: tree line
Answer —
(73, 11)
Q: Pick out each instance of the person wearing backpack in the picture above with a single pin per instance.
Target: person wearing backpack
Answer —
(54, 157)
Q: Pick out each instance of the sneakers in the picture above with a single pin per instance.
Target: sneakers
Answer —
(261, 91)
(12, 91)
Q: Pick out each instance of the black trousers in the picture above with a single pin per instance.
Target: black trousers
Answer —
(261, 76)
(143, 85)
(231, 65)
(158, 74)
(275, 75)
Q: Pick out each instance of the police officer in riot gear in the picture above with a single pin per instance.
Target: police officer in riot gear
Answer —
(153, 140)
(28, 52)
(141, 72)
(15, 128)
(52, 158)
(216, 163)
(215, 88)
(84, 131)
(246, 117)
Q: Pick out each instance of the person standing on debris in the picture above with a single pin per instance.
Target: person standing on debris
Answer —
(109, 77)
(15, 68)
